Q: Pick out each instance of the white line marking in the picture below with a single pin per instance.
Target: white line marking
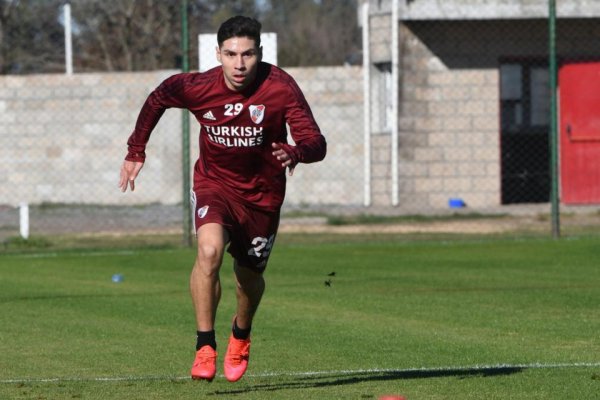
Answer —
(346, 372)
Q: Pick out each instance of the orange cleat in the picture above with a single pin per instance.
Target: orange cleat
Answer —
(205, 364)
(236, 359)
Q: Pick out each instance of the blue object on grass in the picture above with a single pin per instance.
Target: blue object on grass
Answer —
(456, 203)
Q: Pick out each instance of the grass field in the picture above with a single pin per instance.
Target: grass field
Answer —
(502, 319)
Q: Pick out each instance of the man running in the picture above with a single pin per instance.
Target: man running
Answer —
(243, 107)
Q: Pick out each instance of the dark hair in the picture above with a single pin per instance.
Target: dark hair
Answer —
(239, 26)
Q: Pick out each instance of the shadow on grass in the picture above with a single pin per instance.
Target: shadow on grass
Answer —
(320, 381)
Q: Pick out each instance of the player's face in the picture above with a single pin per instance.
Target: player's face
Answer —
(239, 57)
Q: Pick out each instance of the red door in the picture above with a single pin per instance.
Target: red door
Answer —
(580, 132)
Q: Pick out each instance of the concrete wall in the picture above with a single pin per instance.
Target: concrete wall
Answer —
(449, 128)
(449, 117)
(63, 139)
(335, 95)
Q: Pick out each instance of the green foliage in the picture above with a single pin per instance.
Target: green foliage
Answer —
(314, 32)
(19, 243)
(429, 320)
(30, 33)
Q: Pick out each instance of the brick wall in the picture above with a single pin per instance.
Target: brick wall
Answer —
(448, 119)
(449, 129)
(336, 99)
(63, 139)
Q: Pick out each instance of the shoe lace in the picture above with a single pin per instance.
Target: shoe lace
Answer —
(239, 351)
(205, 357)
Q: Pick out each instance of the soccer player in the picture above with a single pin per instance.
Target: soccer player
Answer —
(239, 179)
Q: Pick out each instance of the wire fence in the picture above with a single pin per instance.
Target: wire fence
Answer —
(445, 128)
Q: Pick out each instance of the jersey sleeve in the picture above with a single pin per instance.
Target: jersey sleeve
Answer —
(170, 93)
(310, 143)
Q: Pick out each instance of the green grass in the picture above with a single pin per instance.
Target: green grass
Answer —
(421, 218)
(501, 319)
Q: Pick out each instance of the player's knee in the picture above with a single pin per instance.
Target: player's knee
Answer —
(209, 258)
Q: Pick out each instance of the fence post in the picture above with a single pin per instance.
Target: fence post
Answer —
(68, 39)
(185, 132)
(366, 104)
(553, 121)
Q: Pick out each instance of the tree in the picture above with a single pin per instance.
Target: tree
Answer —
(134, 35)
(30, 34)
(6, 8)
(313, 32)
(127, 35)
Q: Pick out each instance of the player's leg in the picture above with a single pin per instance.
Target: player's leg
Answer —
(205, 288)
(211, 222)
(251, 246)
(250, 286)
(205, 285)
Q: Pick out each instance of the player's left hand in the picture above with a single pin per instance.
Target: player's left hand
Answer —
(282, 155)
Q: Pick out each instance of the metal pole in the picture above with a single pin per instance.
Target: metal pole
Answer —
(366, 104)
(24, 220)
(395, 105)
(68, 40)
(185, 132)
(554, 196)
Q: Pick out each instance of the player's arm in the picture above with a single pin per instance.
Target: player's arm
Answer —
(169, 94)
(310, 143)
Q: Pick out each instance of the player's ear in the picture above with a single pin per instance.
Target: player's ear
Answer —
(218, 53)
(260, 54)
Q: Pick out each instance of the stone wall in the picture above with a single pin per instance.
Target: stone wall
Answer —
(449, 97)
(449, 129)
(63, 139)
(448, 117)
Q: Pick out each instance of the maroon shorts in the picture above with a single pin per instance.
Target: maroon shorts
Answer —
(251, 231)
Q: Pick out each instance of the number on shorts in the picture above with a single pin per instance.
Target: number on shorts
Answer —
(262, 246)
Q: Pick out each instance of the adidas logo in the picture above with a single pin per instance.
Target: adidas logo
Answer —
(209, 115)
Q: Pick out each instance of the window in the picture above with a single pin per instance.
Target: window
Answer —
(382, 82)
(540, 94)
(525, 94)
(525, 118)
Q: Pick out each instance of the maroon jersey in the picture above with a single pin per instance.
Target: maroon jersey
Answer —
(237, 130)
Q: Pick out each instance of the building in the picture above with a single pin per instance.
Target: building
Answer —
(473, 110)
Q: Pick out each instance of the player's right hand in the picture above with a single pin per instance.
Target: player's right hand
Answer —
(129, 171)
(283, 156)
